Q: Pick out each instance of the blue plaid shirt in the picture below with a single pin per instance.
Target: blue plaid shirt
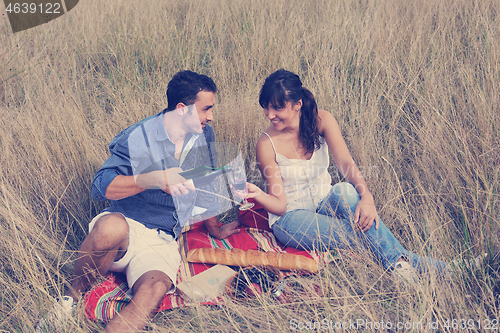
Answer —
(143, 147)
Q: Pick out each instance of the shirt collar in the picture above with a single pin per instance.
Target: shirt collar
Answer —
(161, 132)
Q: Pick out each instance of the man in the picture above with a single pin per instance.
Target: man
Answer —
(150, 201)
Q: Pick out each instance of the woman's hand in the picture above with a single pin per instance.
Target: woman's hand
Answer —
(252, 191)
(365, 214)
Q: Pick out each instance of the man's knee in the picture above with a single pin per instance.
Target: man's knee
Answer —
(154, 284)
(109, 231)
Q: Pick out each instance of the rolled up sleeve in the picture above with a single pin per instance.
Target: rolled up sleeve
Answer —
(117, 164)
(102, 179)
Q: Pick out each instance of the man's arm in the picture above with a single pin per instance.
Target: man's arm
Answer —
(168, 180)
(223, 231)
(122, 187)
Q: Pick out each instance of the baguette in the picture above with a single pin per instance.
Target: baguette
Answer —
(238, 257)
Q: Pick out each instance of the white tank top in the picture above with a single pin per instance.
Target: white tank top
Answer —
(306, 182)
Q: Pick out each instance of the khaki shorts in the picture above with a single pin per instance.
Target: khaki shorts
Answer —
(148, 250)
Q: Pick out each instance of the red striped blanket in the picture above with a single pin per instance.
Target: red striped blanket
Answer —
(104, 300)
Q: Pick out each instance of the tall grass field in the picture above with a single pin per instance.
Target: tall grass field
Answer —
(414, 85)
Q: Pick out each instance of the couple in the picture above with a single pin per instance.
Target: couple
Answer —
(137, 233)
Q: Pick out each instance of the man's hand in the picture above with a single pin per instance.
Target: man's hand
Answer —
(167, 180)
(223, 231)
(228, 229)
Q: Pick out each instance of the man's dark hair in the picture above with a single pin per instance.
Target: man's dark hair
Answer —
(184, 87)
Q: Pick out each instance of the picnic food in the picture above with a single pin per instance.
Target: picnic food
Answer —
(238, 257)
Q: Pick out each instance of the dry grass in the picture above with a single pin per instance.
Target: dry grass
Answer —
(412, 84)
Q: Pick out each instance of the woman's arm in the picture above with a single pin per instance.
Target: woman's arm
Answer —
(274, 201)
(365, 213)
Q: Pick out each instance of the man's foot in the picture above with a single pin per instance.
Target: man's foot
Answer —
(406, 271)
(63, 309)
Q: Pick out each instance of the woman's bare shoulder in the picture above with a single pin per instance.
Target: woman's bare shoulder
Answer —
(325, 115)
(325, 121)
(264, 141)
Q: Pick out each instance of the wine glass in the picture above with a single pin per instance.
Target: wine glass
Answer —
(239, 183)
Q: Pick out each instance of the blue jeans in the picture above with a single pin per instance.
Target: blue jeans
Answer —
(331, 226)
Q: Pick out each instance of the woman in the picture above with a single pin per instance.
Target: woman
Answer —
(305, 210)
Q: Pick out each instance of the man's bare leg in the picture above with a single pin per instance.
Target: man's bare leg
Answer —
(149, 290)
(107, 242)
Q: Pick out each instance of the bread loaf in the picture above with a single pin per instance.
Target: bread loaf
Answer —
(238, 257)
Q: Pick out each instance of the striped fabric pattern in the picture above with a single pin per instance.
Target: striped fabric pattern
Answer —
(110, 296)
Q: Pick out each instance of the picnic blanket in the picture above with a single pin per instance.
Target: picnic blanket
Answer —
(107, 298)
